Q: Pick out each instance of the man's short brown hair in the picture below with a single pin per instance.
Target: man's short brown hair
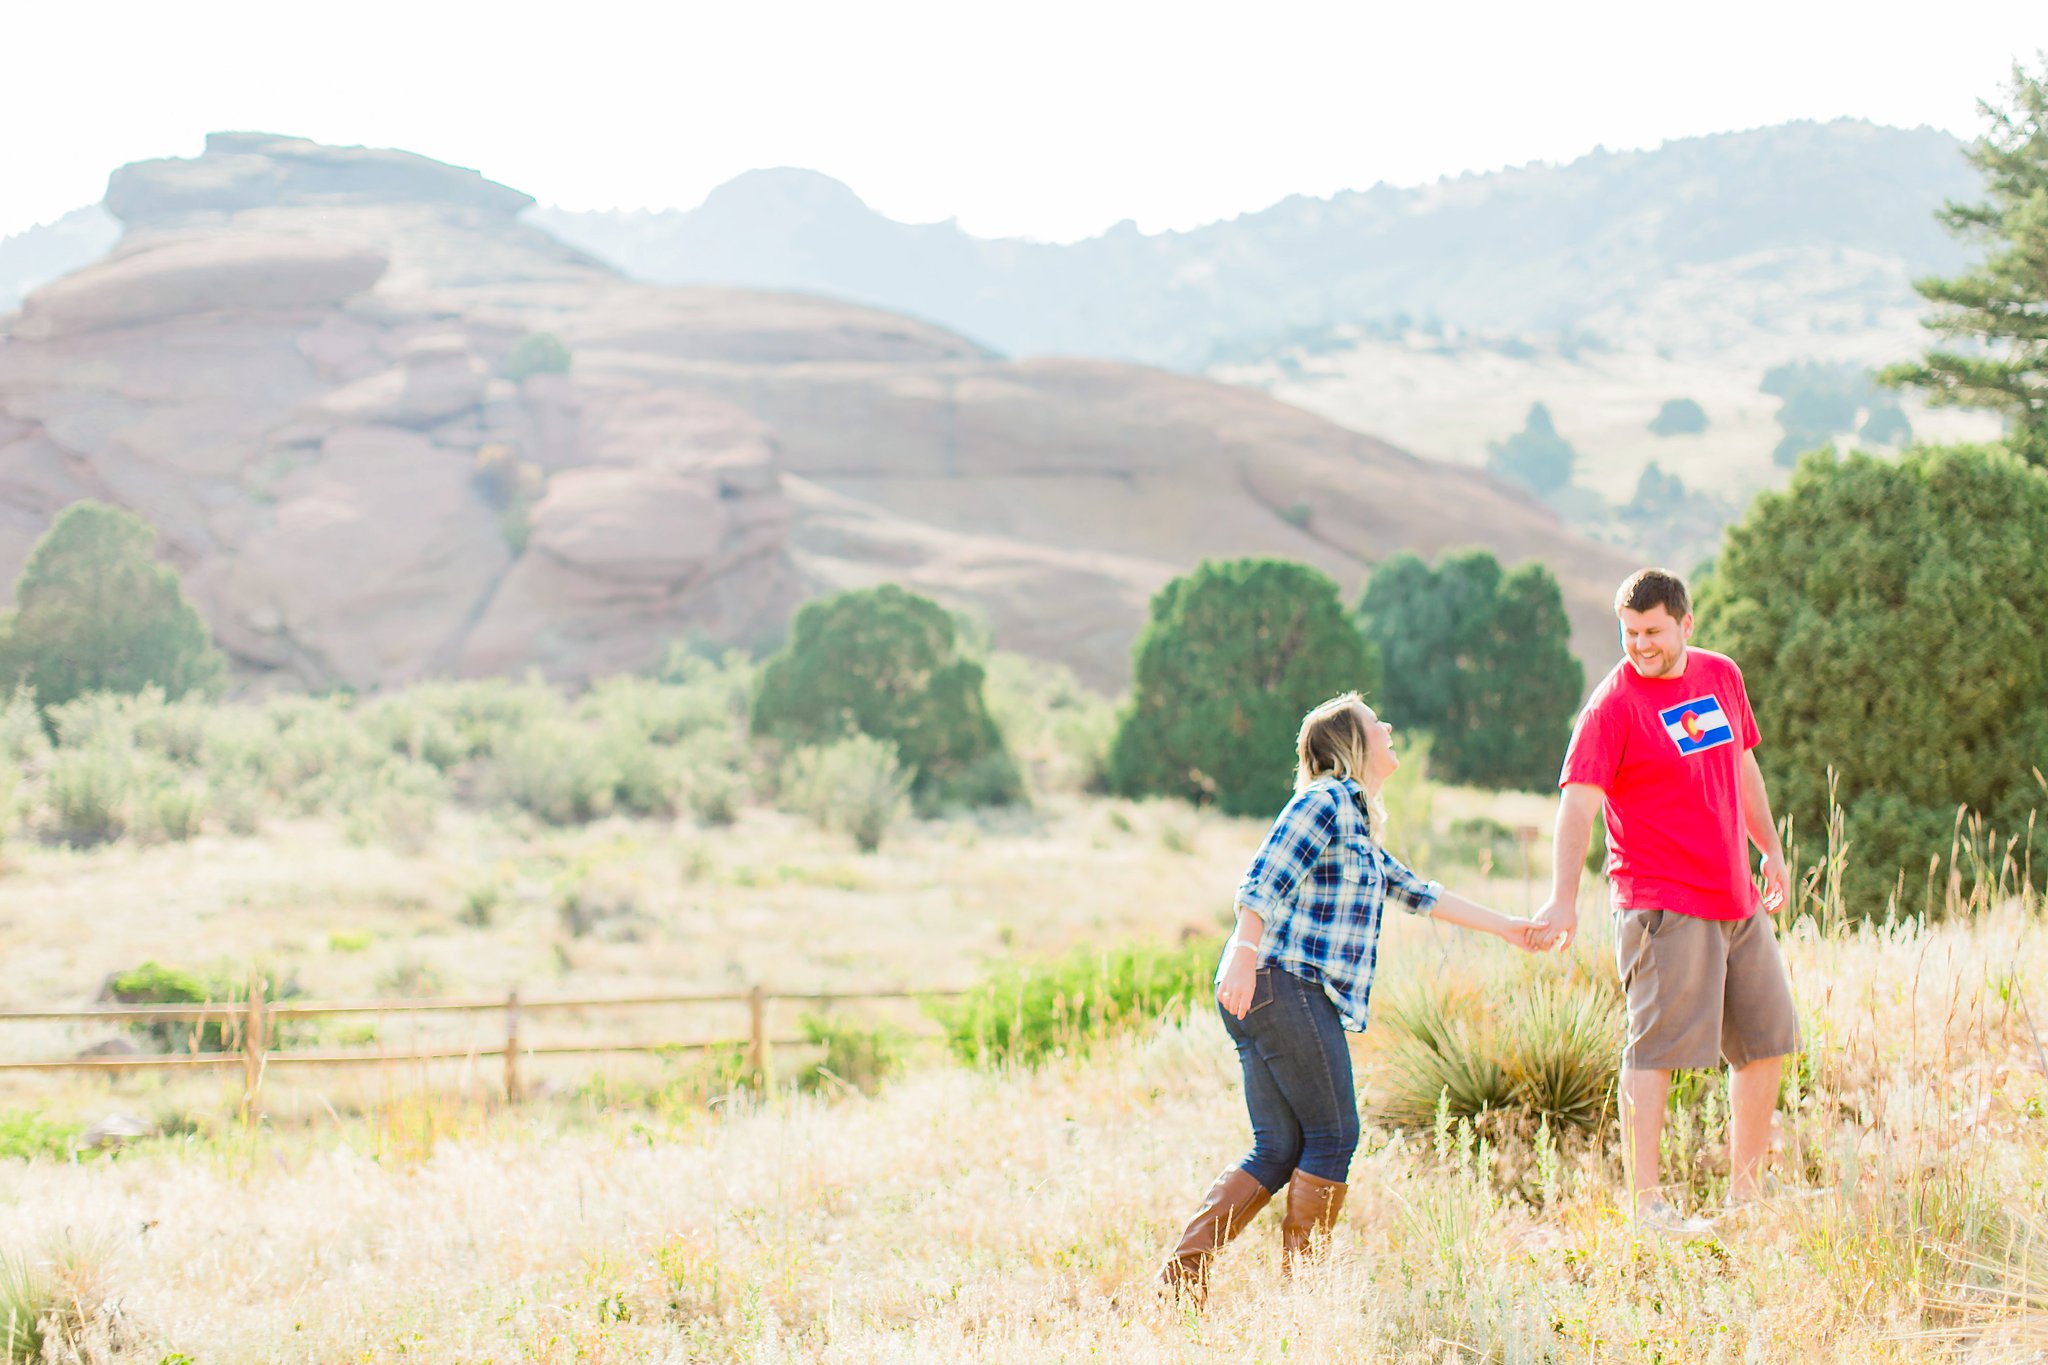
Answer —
(1646, 588)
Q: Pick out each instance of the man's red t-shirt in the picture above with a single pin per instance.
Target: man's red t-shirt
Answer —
(1668, 753)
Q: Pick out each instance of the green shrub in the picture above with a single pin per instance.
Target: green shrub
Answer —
(554, 771)
(152, 983)
(1025, 1015)
(661, 712)
(409, 978)
(413, 727)
(1480, 659)
(537, 353)
(856, 1057)
(480, 904)
(855, 786)
(1233, 655)
(643, 774)
(1535, 457)
(224, 987)
(317, 754)
(90, 793)
(399, 804)
(886, 663)
(1679, 417)
(604, 906)
(1059, 730)
(1877, 598)
(239, 801)
(176, 812)
(708, 777)
(692, 1078)
(95, 612)
(24, 742)
(26, 1134)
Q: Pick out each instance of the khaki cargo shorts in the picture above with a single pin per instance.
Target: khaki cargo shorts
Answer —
(1702, 989)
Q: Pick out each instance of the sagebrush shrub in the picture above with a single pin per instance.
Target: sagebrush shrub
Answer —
(91, 793)
(857, 1056)
(709, 777)
(398, 804)
(555, 772)
(175, 811)
(23, 741)
(856, 786)
(1059, 730)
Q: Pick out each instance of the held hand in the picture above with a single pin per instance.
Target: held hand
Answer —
(1556, 923)
(1234, 983)
(1525, 934)
(1772, 869)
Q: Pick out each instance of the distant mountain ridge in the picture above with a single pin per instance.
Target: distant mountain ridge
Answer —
(1538, 248)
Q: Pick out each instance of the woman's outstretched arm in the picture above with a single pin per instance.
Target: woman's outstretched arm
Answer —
(1452, 908)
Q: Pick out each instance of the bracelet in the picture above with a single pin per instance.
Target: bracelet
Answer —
(1237, 943)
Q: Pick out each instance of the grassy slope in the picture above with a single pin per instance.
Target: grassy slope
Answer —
(965, 1216)
(959, 1215)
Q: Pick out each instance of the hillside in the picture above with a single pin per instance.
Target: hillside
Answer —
(297, 365)
(1538, 248)
(1434, 316)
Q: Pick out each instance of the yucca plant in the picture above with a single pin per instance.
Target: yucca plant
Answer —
(1443, 1059)
(1559, 1049)
(1534, 1048)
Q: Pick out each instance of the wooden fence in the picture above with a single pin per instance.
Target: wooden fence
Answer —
(246, 1027)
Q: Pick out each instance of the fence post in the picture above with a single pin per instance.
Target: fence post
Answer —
(252, 1052)
(757, 1037)
(512, 1047)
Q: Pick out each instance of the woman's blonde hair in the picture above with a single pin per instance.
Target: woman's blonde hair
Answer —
(1332, 743)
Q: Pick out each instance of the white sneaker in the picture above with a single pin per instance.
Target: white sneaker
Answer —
(1660, 1217)
(1772, 1192)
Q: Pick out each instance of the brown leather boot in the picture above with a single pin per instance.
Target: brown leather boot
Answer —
(1233, 1201)
(1312, 1207)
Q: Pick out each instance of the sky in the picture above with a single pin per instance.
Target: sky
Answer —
(1053, 120)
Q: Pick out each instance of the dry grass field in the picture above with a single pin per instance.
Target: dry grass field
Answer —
(961, 1212)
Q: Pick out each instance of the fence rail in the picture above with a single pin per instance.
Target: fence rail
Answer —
(251, 1021)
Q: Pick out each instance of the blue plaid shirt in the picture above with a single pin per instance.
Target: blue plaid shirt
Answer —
(1319, 882)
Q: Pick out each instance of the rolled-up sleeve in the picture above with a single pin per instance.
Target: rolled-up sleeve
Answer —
(1292, 847)
(1417, 895)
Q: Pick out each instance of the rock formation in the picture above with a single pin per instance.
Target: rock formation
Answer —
(297, 365)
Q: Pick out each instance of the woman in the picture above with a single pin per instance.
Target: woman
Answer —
(1296, 973)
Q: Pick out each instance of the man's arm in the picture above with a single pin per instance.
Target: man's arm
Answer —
(1763, 832)
(1559, 917)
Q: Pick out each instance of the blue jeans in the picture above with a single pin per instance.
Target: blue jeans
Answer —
(1297, 1081)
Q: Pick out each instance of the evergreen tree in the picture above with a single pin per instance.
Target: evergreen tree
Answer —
(2002, 304)
(95, 612)
(886, 663)
(1232, 657)
(1536, 457)
(1679, 417)
(1891, 621)
(1480, 660)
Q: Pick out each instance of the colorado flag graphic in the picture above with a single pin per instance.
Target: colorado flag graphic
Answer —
(1697, 724)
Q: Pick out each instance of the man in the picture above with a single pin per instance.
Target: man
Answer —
(1664, 745)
